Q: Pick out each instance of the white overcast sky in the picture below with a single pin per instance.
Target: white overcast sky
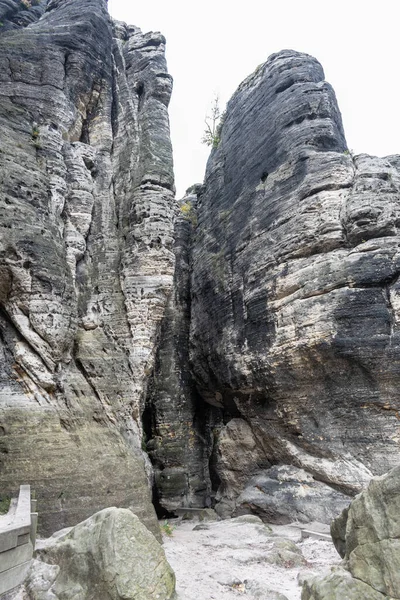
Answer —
(212, 45)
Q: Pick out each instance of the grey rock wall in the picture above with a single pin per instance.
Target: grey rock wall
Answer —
(295, 295)
(86, 261)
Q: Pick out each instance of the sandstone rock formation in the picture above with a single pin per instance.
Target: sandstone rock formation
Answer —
(294, 294)
(280, 343)
(367, 536)
(110, 556)
(86, 262)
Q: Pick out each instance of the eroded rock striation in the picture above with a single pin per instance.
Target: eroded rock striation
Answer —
(15, 14)
(294, 306)
(86, 261)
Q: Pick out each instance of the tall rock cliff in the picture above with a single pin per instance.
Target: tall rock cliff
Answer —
(294, 308)
(86, 261)
(295, 295)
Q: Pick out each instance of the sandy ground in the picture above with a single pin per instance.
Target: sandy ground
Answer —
(232, 559)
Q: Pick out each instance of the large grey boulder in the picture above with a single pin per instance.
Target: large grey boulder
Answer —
(86, 262)
(339, 585)
(367, 535)
(283, 494)
(110, 556)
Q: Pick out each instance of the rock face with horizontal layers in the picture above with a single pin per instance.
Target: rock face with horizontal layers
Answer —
(367, 536)
(15, 14)
(86, 261)
(110, 556)
(295, 294)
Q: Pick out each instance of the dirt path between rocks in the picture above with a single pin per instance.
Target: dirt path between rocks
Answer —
(234, 558)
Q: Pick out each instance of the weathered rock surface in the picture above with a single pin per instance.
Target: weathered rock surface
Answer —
(283, 494)
(285, 553)
(284, 317)
(15, 14)
(110, 556)
(337, 586)
(86, 262)
(294, 328)
(367, 536)
(259, 592)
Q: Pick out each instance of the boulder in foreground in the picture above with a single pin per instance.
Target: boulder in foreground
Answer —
(367, 536)
(110, 556)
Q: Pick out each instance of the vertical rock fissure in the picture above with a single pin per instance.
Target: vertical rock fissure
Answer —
(179, 423)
